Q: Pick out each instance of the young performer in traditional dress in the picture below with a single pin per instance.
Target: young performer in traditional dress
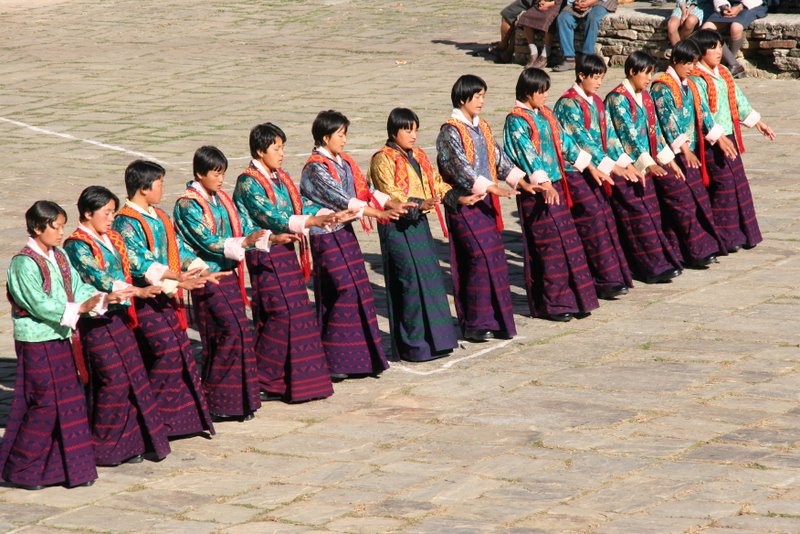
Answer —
(471, 161)
(688, 221)
(291, 360)
(207, 220)
(47, 440)
(729, 189)
(419, 315)
(557, 278)
(345, 305)
(125, 417)
(157, 257)
(582, 115)
(650, 254)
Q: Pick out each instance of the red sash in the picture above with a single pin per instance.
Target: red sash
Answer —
(297, 206)
(401, 164)
(469, 150)
(66, 274)
(537, 141)
(208, 219)
(119, 244)
(713, 99)
(587, 121)
(173, 254)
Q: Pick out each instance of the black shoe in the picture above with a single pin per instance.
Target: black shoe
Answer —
(748, 247)
(501, 334)
(36, 487)
(84, 485)
(662, 278)
(733, 249)
(582, 315)
(559, 317)
(702, 263)
(248, 417)
(477, 336)
(611, 293)
(267, 396)
(134, 459)
(338, 377)
(221, 417)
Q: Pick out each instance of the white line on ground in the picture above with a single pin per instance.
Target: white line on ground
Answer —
(451, 362)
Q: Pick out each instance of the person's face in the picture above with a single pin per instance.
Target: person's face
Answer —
(641, 80)
(683, 69)
(590, 84)
(272, 157)
(537, 100)
(474, 105)
(336, 141)
(154, 194)
(100, 220)
(713, 56)
(52, 234)
(212, 181)
(406, 138)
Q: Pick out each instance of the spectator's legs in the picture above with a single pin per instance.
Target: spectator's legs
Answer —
(566, 34)
(506, 31)
(736, 42)
(673, 28)
(688, 27)
(593, 20)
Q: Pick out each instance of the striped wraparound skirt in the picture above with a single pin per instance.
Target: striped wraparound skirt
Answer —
(557, 278)
(230, 373)
(125, 417)
(419, 314)
(345, 305)
(47, 439)
(291, 359)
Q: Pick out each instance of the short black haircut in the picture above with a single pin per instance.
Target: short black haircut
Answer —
(685, 51)
(530, 81)
(263, 136)
(466, 87)
(42, 214)
(638, 62)
(400, 119)
(208, 158)
(141, 174)
(328, 123)
(590, 65)
(93, 198)
(706, 40)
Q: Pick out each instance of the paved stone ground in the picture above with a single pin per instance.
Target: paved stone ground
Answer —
(672, 410)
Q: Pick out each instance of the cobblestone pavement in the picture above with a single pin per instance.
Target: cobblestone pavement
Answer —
(674, 409)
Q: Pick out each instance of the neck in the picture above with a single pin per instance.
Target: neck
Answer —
(586, 90)
(470, 117)
(42, 245)
(204, 188)
(140, 201)
(636, 90)
(707, 64)
(264, 163)
(89, 226)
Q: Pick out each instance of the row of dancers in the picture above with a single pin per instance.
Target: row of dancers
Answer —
(637, 186)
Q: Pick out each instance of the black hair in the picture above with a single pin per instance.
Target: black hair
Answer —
(400, 119)
(141, 174)
(590, 65)
(685, 51)
(706, 40)
(466, 87)
(93, 198)
(638, 62)
(263, 136)
(328, 123)
(532, 81)
(42, 214)
(208, 158)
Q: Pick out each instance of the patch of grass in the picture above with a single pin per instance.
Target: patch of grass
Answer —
(538, 444)
(756, 465)
(646, 345)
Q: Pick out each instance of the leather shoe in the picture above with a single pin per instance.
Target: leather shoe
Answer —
(501, 334)
(662, 278)
(84, 485)
(36, 487)
(582, 315)
(734, 249)
(702, 263)
(338, 377)
(559, 317)
(748, 247)
(477, 336)
(248, 417)
(611, 293)
(267, 396)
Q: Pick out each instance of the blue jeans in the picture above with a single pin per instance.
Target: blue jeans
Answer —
(566, 30)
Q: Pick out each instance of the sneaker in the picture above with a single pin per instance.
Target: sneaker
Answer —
(564, 66)
(538, 63)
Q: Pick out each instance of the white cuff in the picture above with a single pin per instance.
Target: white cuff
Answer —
(481, 185)
(751, 4)
(539, 177)
(381, 198)
(102, 306)
(665, 156)
(263, 242)
(169, 287)
(624, 160)
(678, 143)
(583, 160)
(155, 273)
(71, 315)
(356, 204)
(752, 119)
(297, 223)
(514, 177)
(715, 133)
(324, 211)
(644, 161)
(197, 263)
(119, 285)
(233, 249)
(606, 165)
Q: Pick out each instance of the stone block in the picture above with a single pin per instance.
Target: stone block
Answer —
(619, 24)
(627, 34)
(788, 43)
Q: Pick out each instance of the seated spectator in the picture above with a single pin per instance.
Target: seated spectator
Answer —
(685, 18)
(503, 49)
(539, 19)
(591, 10)
(738, 15)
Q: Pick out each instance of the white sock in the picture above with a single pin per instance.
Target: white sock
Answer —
(533, 49)
(545, 50)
